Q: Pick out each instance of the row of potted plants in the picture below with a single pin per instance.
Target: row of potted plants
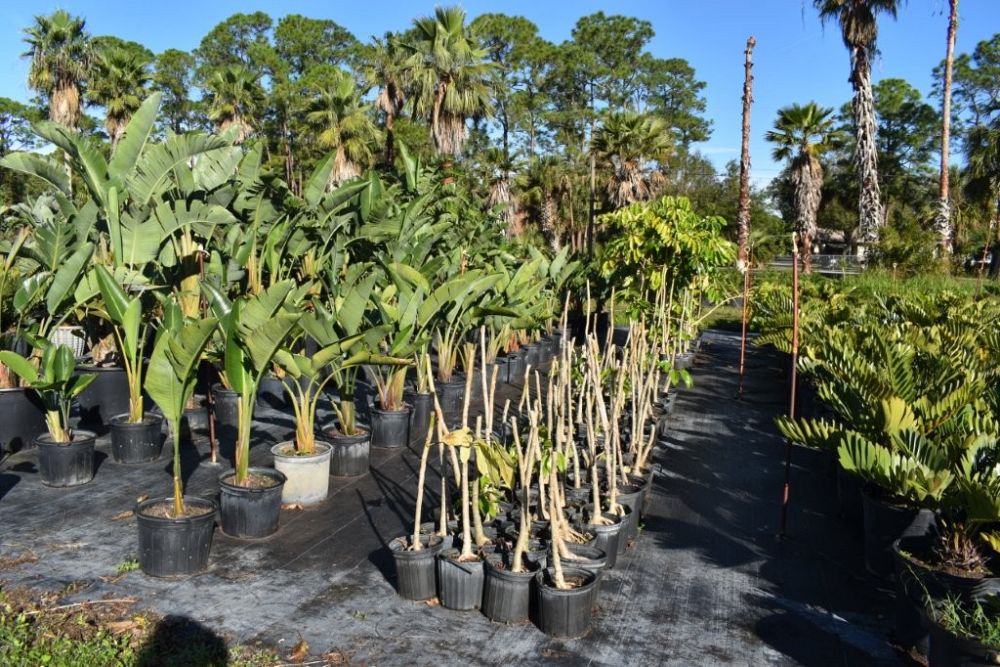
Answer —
(911, 412)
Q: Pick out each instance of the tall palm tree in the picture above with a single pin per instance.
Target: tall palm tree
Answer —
(858, 21)
(982, 175)
(60, 55)
(342, 123)
(449, 74)
(801, 135)
(942, 221)
(234, 100)
(626, 140)
(385, 68)
(119, 82)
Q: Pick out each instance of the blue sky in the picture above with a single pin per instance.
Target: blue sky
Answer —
(796, 59)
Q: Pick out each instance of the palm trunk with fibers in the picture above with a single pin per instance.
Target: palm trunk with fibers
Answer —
(807, 176)
(942, 222)
(390, 139)
(871, 215)
(743, 213)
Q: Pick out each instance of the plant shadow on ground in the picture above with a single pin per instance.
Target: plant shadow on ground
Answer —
(7, 482)
(811, 598)
(178, 641)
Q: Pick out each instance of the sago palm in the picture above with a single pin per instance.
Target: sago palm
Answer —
(341, 123)
(801, 135)
(858, 21)
(449, 75)
(120, 83)
(60, 52)
(626, 141)
(234, 99)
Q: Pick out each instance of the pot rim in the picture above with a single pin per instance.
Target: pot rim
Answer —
(269, 472)
(407, 408)
(550, 589)
(148, 419)
(325, 449)
(79, 437)
(91, 368)
(397, 546)
(191, 500)
(339, 439)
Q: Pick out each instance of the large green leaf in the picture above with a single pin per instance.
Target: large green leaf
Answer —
(172, 368)
(43, 167)
(66, 277)
(157, 163)
(318, 181)
(133, 140)
(21, 366)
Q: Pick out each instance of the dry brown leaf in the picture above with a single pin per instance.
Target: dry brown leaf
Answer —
(293, 506)
(300, 651)
(433, 602)
(141, 498)
(121, 516)
(337, 658)
(123, 626)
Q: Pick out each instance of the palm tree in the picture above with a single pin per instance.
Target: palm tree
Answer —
(342, 123)
(119, 83)
(801, 135)
(60, 57)
(942, 221)
(386, 69)
(234, 99)
(449, 72)
(626, 140)
(859, 30)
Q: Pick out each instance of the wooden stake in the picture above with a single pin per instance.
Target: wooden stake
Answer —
(786, 492)
(743, 213)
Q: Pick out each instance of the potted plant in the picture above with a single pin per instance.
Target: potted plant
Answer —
(304, 461)
(65, 457)
(255, 327)
(964, 632)
(136, 436)
(175, 533)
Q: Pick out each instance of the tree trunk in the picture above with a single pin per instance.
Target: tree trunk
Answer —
(871, 215)
(390, 139)
(593, 182)
(743, 212)
(942, 222)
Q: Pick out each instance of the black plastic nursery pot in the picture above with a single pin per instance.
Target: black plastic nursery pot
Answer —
(421, 407)
(104, 398)
(66, 464)
(171, 547)
(136, 443)
(250, 511)
(350, 455)
(416, 571)
(460, 583)
(608, 539)
(390, 428)
(23, 418)
(916, 582)
(451, 396)
(194, 419)
(271, 392)
(225, 409)
(531, 355)
(620, 335)
(884, 524)
(507, 594)
(590, 558)
(849, 487)
(630, 495)
(949, 650)
(566, 613)
(516, 365)
(684, 361)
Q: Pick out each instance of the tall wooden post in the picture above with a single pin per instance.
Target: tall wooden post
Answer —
(743, 211)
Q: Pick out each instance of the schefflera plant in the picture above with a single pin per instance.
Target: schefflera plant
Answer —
(171, 378)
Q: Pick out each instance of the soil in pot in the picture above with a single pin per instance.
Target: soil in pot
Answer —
(23, 418)
(307, 476)
(884, 524)
(566, 613)
(136, 443)
(390, 428)
(250, 511)
(507, 594)
(416, 571)
(66, 464)
(421, 406)
(350, 455)
(460, 583)
(104, 398)
(173, 546)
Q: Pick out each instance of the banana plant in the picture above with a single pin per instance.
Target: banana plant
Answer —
(55, 381)
(171, 377)
(255, 326)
